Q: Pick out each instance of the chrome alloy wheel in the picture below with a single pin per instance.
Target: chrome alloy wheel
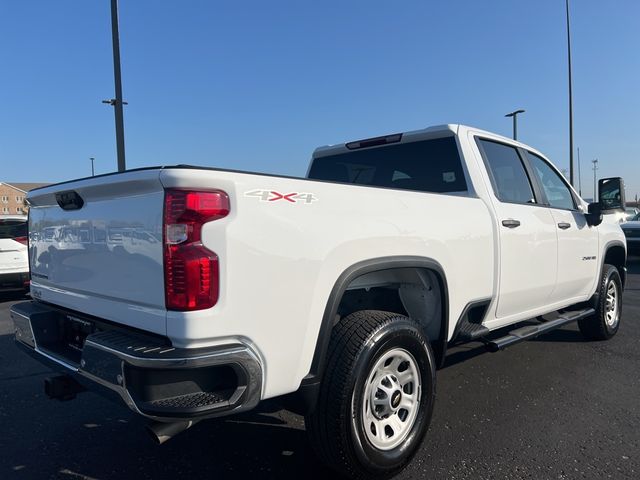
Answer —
(391, 399)
(612, 307)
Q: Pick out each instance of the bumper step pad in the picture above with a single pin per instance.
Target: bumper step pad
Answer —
(188, 401)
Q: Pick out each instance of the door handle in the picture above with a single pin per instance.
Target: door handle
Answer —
(564, 225)
(511, 223)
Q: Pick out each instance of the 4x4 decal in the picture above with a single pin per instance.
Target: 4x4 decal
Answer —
(273, 196)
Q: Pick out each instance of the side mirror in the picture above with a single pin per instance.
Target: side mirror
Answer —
(594, 217)
(611, 195)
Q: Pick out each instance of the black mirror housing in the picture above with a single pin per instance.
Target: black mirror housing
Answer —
(611, 195)
(594, 217)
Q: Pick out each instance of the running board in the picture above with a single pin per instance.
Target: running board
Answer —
(532, 331)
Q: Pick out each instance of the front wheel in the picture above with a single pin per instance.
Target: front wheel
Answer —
(376, 397)
(604, 323)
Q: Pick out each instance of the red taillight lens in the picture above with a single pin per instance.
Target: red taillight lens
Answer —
(191, 271)
(22, 240)
(191, 277)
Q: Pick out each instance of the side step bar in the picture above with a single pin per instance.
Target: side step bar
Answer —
(532, 331)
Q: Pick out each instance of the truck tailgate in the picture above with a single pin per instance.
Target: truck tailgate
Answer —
(104, 258)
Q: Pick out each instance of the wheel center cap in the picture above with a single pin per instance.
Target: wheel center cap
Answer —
(395, 399)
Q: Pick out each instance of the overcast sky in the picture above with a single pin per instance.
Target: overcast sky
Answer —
(258, 85)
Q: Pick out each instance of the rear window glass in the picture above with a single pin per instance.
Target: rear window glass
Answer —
(428, 166)
(13, 228)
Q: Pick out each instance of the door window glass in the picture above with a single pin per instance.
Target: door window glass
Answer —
(556, 190)
(509, 178)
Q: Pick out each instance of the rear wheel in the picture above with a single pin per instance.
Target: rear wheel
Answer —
(377, 396)
(605, 322)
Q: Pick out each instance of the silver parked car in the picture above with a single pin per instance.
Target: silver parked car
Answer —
(631, 212)
(631, 229)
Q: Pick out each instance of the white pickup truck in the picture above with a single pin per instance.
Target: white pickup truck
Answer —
(192, 292)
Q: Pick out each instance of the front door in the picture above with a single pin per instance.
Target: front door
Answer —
(577, 241)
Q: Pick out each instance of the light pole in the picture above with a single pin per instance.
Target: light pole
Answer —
(595, 167)
(92, 171)
(579, 176)
(570, 98)
(117, 102)
(514, 115)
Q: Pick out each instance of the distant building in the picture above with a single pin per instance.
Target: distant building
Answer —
(12, 197)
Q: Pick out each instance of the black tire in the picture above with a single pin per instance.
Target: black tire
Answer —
(601, 325)
(337, 426)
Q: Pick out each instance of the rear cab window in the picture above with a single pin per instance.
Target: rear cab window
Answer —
(432, 165)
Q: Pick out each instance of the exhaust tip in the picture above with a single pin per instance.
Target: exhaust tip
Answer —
(161, 432)
(155, 438)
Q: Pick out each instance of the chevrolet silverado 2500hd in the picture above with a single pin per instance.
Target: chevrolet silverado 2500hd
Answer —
(192, 293)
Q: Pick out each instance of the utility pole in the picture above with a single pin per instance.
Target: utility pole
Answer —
(570, 98)
(92, 171)
(117, 102)
(579, 176)
(514, 115)
(595, 167)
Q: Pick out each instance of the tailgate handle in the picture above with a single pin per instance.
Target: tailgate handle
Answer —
(69, 200)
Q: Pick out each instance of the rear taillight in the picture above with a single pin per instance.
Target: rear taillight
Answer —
(191, 271)
(22, 240)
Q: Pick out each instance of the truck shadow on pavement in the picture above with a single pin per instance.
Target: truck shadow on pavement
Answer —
(13, 296)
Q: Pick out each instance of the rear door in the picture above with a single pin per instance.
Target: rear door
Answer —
(527, 232)
(577, 241)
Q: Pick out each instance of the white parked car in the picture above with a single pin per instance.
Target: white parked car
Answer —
(338, 293)
(14, 262)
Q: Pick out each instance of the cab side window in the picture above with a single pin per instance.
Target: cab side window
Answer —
(508, 175)
(555, 189)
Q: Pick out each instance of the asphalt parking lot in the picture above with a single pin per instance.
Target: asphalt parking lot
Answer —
(554, 408)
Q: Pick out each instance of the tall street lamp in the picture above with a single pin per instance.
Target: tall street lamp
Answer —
(595, 167)
(579, 176)
(514, 115)
(117, 102)
(570, 98)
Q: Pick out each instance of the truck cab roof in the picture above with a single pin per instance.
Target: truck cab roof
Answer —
(412, 136)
